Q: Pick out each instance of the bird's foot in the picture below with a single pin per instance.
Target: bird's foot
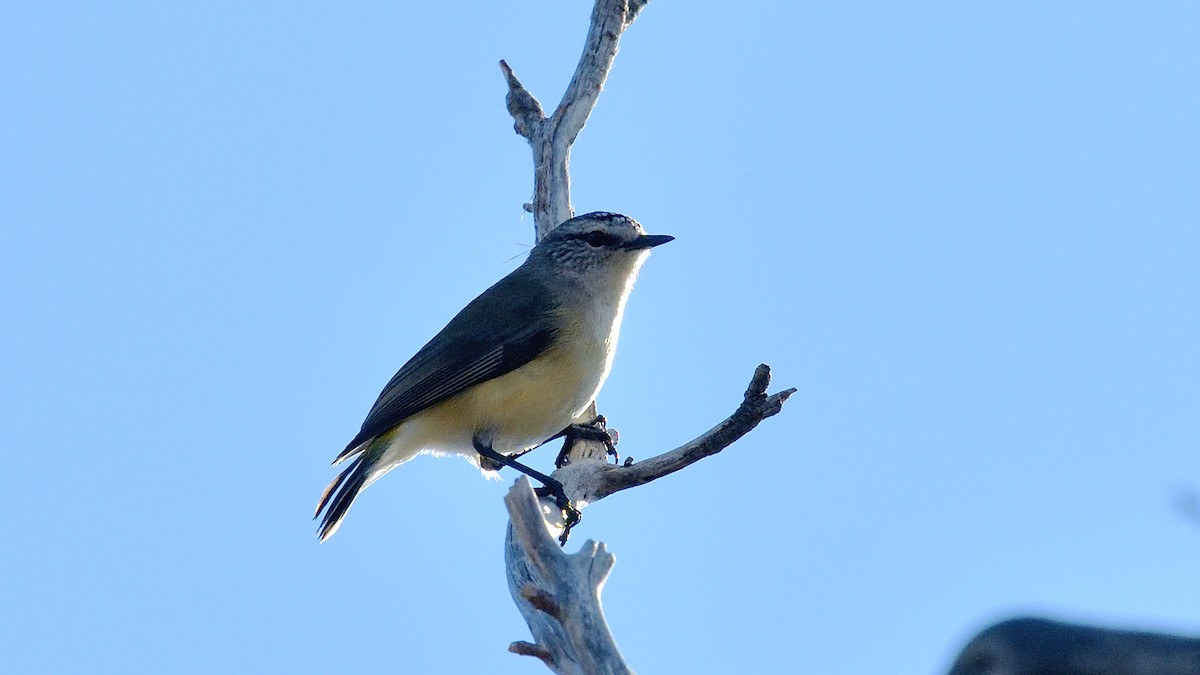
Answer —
(596, 430)
(571, 515)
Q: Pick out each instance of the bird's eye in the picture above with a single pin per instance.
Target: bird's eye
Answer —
(596, 239)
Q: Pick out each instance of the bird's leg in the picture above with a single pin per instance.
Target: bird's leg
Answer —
(596, 430)
(488, 464)
(550, 486)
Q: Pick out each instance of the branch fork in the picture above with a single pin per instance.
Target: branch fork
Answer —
(551, 137)
(558, 593)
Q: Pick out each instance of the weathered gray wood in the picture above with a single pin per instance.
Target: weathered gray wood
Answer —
(548, 586)
(604, 479)
(551, 137)
(559, 594)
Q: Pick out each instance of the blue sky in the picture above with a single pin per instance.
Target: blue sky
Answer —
(968, 234)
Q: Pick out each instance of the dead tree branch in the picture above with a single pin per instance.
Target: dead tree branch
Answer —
(559, 594)
(603, 479)
(551, 138)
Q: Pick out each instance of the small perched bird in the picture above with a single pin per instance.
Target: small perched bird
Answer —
(515, 368)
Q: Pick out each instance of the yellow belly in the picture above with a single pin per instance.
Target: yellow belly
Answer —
(528, 405)
(517, 410)
(512, 412)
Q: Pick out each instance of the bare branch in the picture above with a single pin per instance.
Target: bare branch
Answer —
(526, 112)
(529, 649)
(551, 138)
(609, 19)
(756, 406)
(558, 594)
(592, 478)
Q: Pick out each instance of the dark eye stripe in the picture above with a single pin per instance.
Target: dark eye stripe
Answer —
(598, 239)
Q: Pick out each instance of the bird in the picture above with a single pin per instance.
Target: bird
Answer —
(519, 365)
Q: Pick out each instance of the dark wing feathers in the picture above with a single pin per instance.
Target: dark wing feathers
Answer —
(499, 331)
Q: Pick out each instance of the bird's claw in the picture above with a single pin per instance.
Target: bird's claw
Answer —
(596, 430)
(571, 515)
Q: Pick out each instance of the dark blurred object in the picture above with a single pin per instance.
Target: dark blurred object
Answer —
(1029, 646)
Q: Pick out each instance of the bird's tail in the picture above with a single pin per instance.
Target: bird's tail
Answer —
(340, 494)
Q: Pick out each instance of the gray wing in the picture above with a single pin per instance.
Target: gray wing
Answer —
(499, 331)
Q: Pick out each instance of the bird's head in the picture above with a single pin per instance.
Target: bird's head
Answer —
(599, 244)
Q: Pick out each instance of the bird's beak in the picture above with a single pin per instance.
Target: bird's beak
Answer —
(647, 241)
